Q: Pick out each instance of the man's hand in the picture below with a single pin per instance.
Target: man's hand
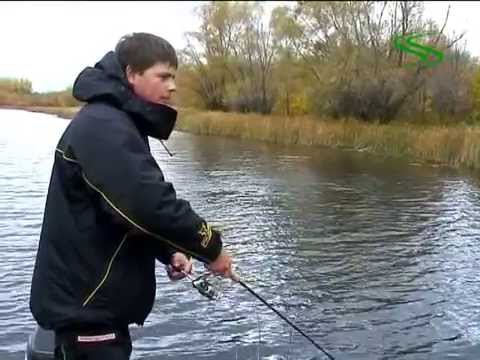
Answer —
(223, 266)
(179, 263)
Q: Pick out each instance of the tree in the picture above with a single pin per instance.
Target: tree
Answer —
(233, 54)
(348, 46)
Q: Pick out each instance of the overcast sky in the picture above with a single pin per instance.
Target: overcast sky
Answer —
(51, 42)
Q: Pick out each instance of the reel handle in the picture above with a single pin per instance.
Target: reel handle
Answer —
(235, 276)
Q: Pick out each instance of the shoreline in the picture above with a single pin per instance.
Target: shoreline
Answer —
(454, 147)
(63, 112)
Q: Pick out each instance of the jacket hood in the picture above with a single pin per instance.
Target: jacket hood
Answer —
(106, 81)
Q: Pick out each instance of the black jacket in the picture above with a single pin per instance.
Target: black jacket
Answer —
(109, 212)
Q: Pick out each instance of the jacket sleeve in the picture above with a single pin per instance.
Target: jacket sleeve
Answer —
(117, 164)
(163, 253)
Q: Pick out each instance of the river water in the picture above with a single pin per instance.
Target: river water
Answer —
(373, 258)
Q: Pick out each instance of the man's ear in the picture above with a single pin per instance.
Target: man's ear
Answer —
(129, 74)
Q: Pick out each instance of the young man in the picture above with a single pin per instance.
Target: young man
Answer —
(109, 212)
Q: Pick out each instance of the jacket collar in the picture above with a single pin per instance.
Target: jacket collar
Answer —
(106, 81)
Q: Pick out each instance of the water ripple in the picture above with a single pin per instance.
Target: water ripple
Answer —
(374, 259)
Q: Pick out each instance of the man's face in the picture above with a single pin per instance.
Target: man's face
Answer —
(156, 84)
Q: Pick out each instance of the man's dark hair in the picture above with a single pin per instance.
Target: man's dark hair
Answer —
(143, 50)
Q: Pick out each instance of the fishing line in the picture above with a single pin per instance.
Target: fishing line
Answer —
(283, 317)
(205, 288)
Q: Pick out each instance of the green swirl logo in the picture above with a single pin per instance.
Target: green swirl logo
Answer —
(428, 56)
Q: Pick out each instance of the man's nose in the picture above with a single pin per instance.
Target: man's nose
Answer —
(172, 86)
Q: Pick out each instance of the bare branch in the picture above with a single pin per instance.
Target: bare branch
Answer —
(443, 26)
(454, 41)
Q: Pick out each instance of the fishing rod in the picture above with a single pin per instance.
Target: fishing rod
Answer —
(206, 289)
